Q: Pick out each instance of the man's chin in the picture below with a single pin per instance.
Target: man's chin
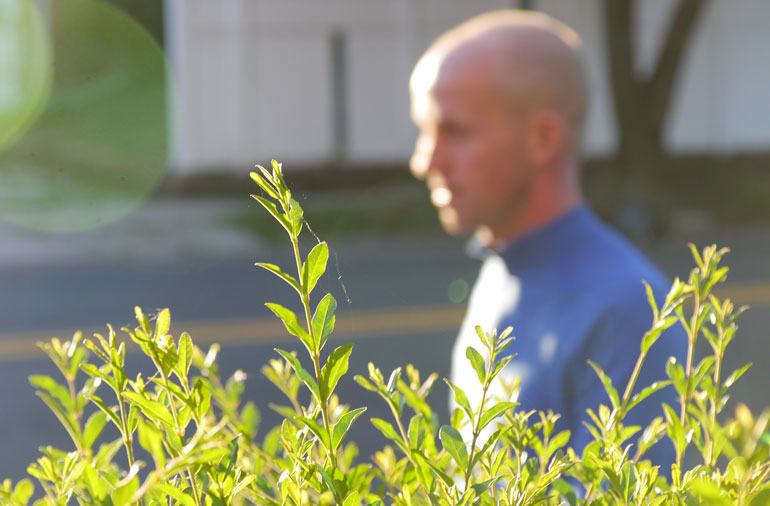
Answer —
(451, 223)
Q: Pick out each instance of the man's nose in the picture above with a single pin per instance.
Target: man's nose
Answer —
(424, 158)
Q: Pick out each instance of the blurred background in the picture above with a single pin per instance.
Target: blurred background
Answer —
(128, 129)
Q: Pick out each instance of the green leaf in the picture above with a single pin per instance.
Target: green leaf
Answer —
(185, 353)
(97, 487)
(734, 376)
(289, 320)
(482, 335)
(177, 494)
(168, 360)
(761, 499)
(330, 483)
(654, 333)
(477, 362)
(676, 373)
(389, 432)
(717, 277)
(481, 487)
(696, 256)
(278, 272)
(416, 431)
(342, 426)
(295, 217)
(566, 490)
(499, 366)
(651, 300)
(23, 491)
(336, 366)
(151, 439)
(323, 320)
(558, 441)
(674, 428)
(279, 216)
(393, 380)
(646, 392)
(315, 265)
(163, 323)
(93, 428)
(352, 499)
(54, 390)
(709, 493)
(495, 411)
(278, 180)
(454, 445)
(63, 415)
(242, 484)
(414, 400)
(284, 411)
(144, 323)
(233, 455)
(269, 178)
(302, 374)
(122, 494)
(105, 409)
(251, 419)
(91, 346)
(365, 383)
(448, 481)
(607, 382)
(461, 399)
(152, 409)
(703, 368)
(490, 443)
(265, 183)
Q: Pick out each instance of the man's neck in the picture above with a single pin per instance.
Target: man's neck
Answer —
(534, 218)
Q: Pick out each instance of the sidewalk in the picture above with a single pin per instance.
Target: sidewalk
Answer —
(163, 229)
(170, 228)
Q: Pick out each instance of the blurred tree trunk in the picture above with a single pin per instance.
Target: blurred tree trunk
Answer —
(641, 201)
(642, 102)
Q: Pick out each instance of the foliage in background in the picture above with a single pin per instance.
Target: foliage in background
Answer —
(184, 438)
(391, 209)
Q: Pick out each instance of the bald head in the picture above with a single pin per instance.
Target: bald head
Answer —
(533, 58)
(499, 103)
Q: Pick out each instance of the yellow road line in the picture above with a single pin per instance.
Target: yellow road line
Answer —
(754, 294)
(266, 330)
(351, 325)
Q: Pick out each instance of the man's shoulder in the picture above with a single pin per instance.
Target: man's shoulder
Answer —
(612, 265)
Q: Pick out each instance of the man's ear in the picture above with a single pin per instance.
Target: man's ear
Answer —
(547, 137)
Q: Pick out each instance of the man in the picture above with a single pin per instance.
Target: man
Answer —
(499, 102)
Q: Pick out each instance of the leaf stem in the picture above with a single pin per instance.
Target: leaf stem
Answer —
(315, 354)
(718, 355)
(128, 440)
(476, 428)
(692, 332)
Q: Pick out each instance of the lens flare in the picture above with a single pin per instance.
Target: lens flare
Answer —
(25, 68)
(98, 148)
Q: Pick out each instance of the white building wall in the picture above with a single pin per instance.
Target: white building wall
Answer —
(746, 70)
(254, 77)
(696, 121)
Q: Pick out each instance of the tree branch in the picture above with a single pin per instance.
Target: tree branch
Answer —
(619, 41)
(659, 88)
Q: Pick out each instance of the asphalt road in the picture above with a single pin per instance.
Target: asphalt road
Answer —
(395, 297)
(393, 305)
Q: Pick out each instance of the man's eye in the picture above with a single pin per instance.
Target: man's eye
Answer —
(455, 131)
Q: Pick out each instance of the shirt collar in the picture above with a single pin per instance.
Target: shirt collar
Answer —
(540, 244)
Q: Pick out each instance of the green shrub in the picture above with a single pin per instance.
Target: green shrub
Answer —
(200, 447)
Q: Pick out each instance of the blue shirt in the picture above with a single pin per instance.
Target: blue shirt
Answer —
(572, 291)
